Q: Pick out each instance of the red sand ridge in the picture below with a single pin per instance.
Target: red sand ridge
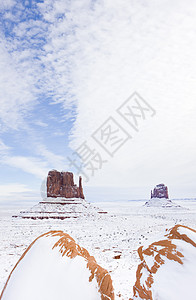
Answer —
(61, 184)
(68, 247)
(161, 252)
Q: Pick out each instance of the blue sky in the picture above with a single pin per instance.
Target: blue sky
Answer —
(66, 66)
(35, 119)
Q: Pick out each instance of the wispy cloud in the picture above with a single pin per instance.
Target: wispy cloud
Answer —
(89, 56)
(13, 189)
(41, 124)
(37, 165)
(29, 165)
(26, 80)
(110, 49)
(33, 70)
(17, 194)
(7, 4)
(3, 148)
(16, 94)
(53, 160)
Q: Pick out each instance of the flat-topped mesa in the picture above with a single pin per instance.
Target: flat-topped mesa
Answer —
(61, 184)
(160, 191)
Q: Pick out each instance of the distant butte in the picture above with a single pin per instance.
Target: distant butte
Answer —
(160, 198)
(160, 191)
(61, 184)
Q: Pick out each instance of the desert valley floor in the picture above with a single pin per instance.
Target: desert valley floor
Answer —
(113, 238)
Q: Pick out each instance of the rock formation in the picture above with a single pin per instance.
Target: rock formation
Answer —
(55, 267)
(61, 184)
(64, 200)
(160, 198)
(160, 191)
(167, 267)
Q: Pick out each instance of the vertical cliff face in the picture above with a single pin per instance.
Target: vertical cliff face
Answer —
(160, 191)
(81, 194)
(61, 184)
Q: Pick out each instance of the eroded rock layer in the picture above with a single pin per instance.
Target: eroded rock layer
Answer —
(60, 208)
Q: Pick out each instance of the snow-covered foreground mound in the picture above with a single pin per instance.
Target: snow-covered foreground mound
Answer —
(161, 202)
(126, 227)
(168, 267)
(55, 267)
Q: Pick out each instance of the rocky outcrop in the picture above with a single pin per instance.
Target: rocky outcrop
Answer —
(160, 198)
(64, 200)
(167, 267)
(61, 184)
(160, 191)
(55, 267)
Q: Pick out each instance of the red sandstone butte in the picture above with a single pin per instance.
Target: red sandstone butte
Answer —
(160, 191)
(61, 184)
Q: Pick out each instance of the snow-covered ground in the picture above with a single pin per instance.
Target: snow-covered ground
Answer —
(113, 239)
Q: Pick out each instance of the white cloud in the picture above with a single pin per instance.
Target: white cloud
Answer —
(29, 69)
(13, 189)
(18, 194)
(16, 96)
(7, 4)
(58, 133)
(53, 160)
(41, 124)
(4, 148)
(29, 165)
(96, 54)
(104, 51)
(38, 165)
